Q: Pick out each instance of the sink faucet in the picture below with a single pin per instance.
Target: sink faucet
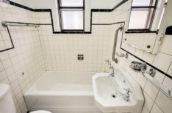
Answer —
(112, 71)
(126, 95)
(111, 67)
(138, 66)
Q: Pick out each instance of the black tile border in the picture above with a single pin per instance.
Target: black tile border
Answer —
(109, 10)
(92, 10)
(7, 28)
(141, 31)
(10, 41)
(148, 64)
(26, 23)
(162, 72)
(51, 16)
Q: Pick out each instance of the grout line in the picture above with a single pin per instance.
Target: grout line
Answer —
(169, 67)
(155, 98)
(165, 53)
(42, 51)
(154, 102)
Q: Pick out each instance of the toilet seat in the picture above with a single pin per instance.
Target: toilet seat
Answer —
(40, 111)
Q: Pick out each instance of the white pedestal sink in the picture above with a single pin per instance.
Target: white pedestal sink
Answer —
(119, 94)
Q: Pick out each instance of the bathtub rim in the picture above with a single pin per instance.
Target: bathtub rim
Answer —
(32, 90)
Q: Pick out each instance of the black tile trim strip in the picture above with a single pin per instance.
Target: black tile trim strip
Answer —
(141, 31)
(109, 23)
(135, 7)
(10, 41)
(52, 23)
(164, 73)
(148, 64)
(92, 10)
(75, 32)
(9, 22)
(19, 5)
(109, 10)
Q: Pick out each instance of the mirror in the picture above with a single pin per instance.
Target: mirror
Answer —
(154, 48)
(143, 37)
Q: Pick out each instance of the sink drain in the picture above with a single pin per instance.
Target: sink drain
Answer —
(113, 95)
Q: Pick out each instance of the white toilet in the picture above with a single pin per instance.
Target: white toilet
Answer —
(7, 103)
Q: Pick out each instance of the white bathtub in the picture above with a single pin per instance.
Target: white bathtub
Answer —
(62, 92)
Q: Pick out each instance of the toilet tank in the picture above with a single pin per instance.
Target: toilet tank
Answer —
(6, 100)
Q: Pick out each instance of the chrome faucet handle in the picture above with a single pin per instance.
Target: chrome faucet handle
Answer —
(107, 61)
(138, 66)
(111, 67)
(125, 96)
(112, 73)
(143, 67)
(128, 91)
(151, 72)
(119, 54)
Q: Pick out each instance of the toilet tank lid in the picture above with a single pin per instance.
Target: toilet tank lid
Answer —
(4, 88)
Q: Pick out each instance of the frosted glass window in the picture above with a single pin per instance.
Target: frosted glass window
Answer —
(142, 12)
(72, 20)
(72, 3)
(71, 15)
(139, 19)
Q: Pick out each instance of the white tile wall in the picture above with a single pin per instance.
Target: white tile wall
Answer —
(21, 66)
(151, 90)
(155, 99)
(61, 50)
(170, 69)
(60, 54)
(148, 103)
(153, 95)
(156, 109)
(167, 46)
(164, 103)
(167, 83)
(118, 15)
(162, 61)
(148, 57)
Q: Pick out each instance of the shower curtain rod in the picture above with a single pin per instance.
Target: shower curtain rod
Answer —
(5, 24)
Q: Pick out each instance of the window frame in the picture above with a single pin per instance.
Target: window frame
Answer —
(60, 8)
(150, 20)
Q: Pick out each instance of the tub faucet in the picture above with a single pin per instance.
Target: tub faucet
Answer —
(111, 68)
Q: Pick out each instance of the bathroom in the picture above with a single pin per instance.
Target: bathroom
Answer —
(85, 56)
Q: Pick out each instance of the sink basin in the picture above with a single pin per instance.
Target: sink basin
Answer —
(117, 94)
